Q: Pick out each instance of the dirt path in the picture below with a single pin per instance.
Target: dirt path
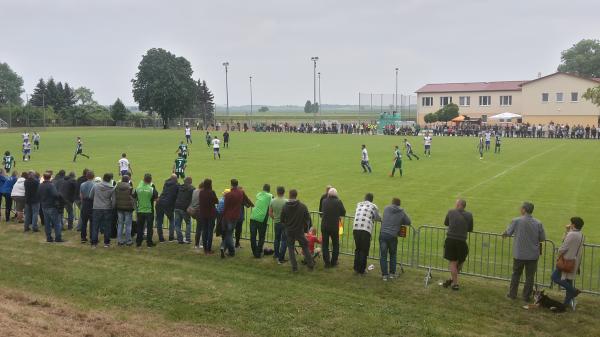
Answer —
(25, 315)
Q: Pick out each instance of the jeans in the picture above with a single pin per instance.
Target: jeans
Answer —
(261, 228)
(51, 217)
(70, 214)
(124, 224)
(160, 215)
(144, 221)
(362, 240)
(31, 215)
(227, 236)
(291, 239)
(180, 216)
(86, 217)
(7, 205)
(206, 226)
(335, 242)
(280, 244)
(238, 231)
(388, 244)
(566, 283)
(102, 218)
(78, 204)
(530, 267)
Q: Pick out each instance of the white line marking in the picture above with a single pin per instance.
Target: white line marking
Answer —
(508, 169)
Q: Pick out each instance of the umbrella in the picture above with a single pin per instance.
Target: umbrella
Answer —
(459, 119)
(506, 115)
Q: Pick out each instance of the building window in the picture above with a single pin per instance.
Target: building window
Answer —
(505, 100)
(559, 97)
(485, 100)
(545, 97)
(574, 97)
(427, 101)
(445, 100)
(464, 100)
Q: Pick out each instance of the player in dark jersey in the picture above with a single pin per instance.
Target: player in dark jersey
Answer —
(208, 139)
(409, 151)
(226, 139)
(497, 146)
(481, 147)
(179, 167)
(8, 161)
(182, 150)
(79, 150)
(397, 162)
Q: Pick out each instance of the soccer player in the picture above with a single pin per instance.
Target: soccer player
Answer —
(364, 160)
(427, 142)
(8, 162)
(179, 167)
(182, 150)
(188, 134)
(208, 138)
(497, 147)
(25, 135)
(397, 162)
(79, 150)
(480, 147)
(216, 146)
(26, 151)
(125, 166)
(36, 140)
(226, 139)
(409, 151)
(488, 140)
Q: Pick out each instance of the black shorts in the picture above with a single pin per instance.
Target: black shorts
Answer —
(455, 250)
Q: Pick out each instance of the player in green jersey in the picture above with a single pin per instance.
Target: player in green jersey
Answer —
(8, 161)
(79, 150)
(179, 167)
(397, 162)
(182, 150)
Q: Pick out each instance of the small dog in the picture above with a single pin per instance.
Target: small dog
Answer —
(542, 300)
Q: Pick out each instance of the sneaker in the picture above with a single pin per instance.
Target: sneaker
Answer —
(181, 242)
(151, 244)
(196, 247)
(455, 287)
(222, 253)
(446, 283)
(280, 262)
(392, 276)
(106, 245)
(573, 304)
(94, 246)
(161, 240)
(384, 278)
(84, 241)
(59, 241)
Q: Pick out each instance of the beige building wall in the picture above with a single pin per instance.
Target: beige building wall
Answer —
(474, 110)
(568, 111)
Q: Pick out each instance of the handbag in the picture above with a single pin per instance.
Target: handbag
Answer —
(568, 265)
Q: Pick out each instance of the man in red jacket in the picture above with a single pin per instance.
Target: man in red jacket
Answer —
(234, 200)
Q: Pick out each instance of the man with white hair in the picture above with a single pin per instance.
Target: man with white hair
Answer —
(332, 209)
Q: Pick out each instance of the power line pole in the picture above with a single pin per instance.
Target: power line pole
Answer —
(314, 59)
(251, 105)
(226, 65)
(396, 96)
(319, 75)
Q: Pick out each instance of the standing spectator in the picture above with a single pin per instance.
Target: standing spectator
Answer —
(528, 237)
(67, 191)
(166, 206)
(295, 219)
(235, 200)
(58, 181)
(80, 181)
(6, 185)
(364, 220)
(87, 203)
(182, 202)
(124, 203)
(279, 243)
(394, 218)
(145, 194)
(258, 220)
(459, 223)
(17, 195)
(195, 212)
(332, 210)
(32, 201)
(103, 196)
(207, 201)
(49, 199)
(571, 249)
(323, 197)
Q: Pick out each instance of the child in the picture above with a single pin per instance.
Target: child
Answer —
(312, 239)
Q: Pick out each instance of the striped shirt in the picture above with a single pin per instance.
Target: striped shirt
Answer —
(365, 216)
(528, 233)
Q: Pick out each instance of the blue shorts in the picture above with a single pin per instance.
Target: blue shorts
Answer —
(427, 147)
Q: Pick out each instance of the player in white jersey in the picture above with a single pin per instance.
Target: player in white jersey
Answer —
(36, 140)
(25, 137)
(488, 140)
(216, 143)
(125, 166)
(427, 142)
(188, 135)
(364, 159)
(26, 150)
(409, 150)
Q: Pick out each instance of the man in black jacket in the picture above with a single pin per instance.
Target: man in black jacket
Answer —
(332, 209)
(182, 202)
(67, 191)
(32, 201)
(295, 217)
(166, 206)
(49, 199)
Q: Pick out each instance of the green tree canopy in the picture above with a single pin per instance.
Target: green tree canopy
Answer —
(204, 106)
(118, 111)
(308, 107)
(84, 96)
(164, 84)
(447, 113)
(593, 95)
(430, 117)
(38, 98)
(582, 59)
(11, 86)
(263, 109)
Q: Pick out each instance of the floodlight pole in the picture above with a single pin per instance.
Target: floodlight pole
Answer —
(226, 65)
(396, 99)
(319, 77)
(251, 105)
(314, 59)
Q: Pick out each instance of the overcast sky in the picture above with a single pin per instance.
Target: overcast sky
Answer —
(99, 43)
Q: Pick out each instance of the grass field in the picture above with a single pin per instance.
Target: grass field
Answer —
(174, 285)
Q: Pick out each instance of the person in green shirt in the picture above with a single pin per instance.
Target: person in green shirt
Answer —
(397, 162)
(182, 150)
(145, 195)
(208, 139)
(8, 161)
(258, 220)
(179, 167)
(279, 244)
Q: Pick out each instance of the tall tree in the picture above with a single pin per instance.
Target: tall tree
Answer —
(308, 107)
(447, 113)
(164, 84)
(84, 96)
(582, 59)
(11, 86)
(204, 106)
(51, 93)
(69, 99)
(118, 111)
(59, 101)
(40, 92)
(593, 95)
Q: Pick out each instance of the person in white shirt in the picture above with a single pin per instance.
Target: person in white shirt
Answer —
(364, 220)
(364, 161)
(36, 140)
(488, 140)
(427, 142)
(188, 135)
(25, 137)
(124, 166)
(216, 143)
